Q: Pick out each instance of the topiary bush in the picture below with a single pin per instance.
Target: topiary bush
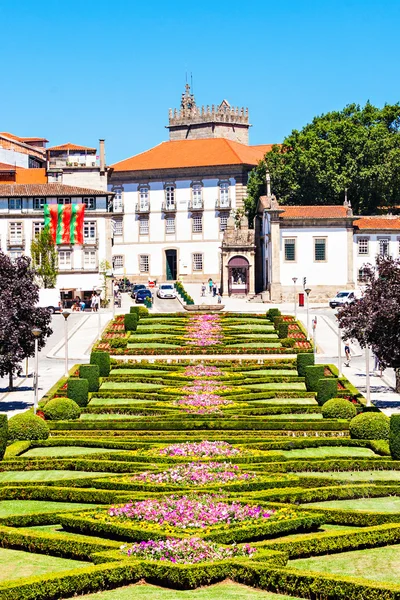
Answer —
(102, 359)
(27, 426)
(92, 374)
(370, 426)
(338, 408)
(134, 310)
(143, 311)
(283, 330)
(131, 321)
(61, 409)
(394, 437)
(327, 389)
(304, 360)
(78, 390)
(313, 374)
(288, 342)
(3, 434)
(273, 312)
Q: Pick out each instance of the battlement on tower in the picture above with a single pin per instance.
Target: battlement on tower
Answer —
(194, 122)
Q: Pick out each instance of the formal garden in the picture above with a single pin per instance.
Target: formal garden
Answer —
(252, 476)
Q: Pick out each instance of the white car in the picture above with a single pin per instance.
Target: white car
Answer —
(343, 297)
(166, 290)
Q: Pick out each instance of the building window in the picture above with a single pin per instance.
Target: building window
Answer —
(144, 198)
(197, 262)
(143, 227)
(319, 249)
(223, 221)
(197, 195)
(197, 224)
(361, 275)
(14, 203)
(117, 226)
(118, 261)
(38, 203)
(144, 263)
(37, 228)
(384, 247)
(16, 231)
(224, 194)
(14, 254)
(89, 259)
(170, 225)
(90, 203)
(363, 245)
(63, 200)
(170, 197)
(290, 249)
(64, 259)
(117, 201)
(89, 230)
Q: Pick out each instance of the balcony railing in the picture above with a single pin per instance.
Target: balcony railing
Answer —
(223, 204)
(91, 241)
(16, 242)
(196, 205)
(168, 207)
(142, 208)
(63, 163)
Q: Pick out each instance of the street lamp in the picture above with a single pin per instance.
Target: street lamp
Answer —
(307, 291)
(65, 314)
(110, 274)
(294, 279)
(367, 378)
(36, 333)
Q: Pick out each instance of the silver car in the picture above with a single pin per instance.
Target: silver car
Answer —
(166, 290)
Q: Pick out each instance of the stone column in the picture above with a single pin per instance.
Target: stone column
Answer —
(275, 285)
(350, 257)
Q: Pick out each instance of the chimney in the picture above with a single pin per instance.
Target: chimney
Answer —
(102, 157)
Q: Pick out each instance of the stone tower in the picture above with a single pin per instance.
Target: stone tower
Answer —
(192, 122)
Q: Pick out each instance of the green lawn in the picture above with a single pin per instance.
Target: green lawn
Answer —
(221, 591)
(152, 336)
(134, 371)
(156, 326)
(29, 476)
(252, 326)
(119, 401)
(27, 507)
(129, 385)
(154, 345)
(328, 452)
(358, 476)
(271, 372)
(302, 401)
(15, 564)
(376, 564)
(295, 417)
(259, 344)
(106, 417)
(66, 451)
(389, 504)
(284, 385)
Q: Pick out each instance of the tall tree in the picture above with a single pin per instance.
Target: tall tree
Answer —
(45, 259)
(356, 148)
(19, 314)
(374, 320)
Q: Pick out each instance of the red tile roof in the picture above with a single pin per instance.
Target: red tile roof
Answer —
(6, 167)
(17, 138)
(389, 222)
(47, 189)
(70, 146)
(314, 212)
(194, 153)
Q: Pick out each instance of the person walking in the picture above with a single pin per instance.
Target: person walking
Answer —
(219, 297)
(203, 290)
(377, 366)
(348, 355)
(93, 302)
(210, 285)
(214, 289)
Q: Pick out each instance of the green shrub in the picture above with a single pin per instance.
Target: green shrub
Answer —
(327, 389)
(338, 408)
(303, 361)
(27, 426)
(273, 312)
(288, 342)
(118, 343)
(370, 426)
(61, 409)
(283, 330)
(92, 374)
(102, 359)
(134, 310)
(78, 390)
(3, 434)
(143, 311)
(130, 321)
(313, 374)
(394, 437)
(277, 321)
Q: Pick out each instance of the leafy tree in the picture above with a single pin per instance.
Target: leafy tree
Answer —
(374, 320)
(356, 148)
(45, 259)
(104, 268)
(18, 315)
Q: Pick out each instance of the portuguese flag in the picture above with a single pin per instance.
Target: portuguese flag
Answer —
(65, 222)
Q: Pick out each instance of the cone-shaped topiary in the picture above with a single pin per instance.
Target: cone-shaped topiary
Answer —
(370, 426)
(92, 374)
(338, 408)
(61, 409)
(102, 359)
(27, 426)
(304, 360)
(78, 390)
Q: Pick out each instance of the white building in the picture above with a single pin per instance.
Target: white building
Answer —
(71, 164)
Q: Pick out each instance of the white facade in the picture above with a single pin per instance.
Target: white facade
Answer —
(369, 244)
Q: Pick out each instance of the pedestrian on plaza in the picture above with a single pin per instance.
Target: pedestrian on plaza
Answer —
(210, 285)
(348, 355)
(377, 366)
(203, 290)
(214, 289)
(82, 305)
(93, 302)
(219, 297)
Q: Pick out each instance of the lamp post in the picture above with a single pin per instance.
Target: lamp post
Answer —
(307, 291)
(339, 349)
(314, 327)
(294, 279)
(36, 333)
(98, 322)
(65, 314)
(367, 382)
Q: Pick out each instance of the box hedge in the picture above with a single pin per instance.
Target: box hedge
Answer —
(61, 409)
(370, 426)
(3, 434)
(273, 312)
(283, 330)
(27, 426)
(338, 408)
(130, 321)
(303, 361)
(327, 389)
(92, 374)
(102, 359)
(313, 374)
(78, 390)
(394, 437)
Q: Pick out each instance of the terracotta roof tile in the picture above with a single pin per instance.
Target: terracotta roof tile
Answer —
(6, 167)
(18, 138)
(383, 222)
(70, 146)
(313, 212)
(194, 153)
(47, 189)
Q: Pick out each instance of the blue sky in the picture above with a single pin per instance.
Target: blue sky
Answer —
(76, 71)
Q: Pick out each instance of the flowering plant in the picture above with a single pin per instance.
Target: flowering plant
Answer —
(204, 449)
(187, 550)
(202, 371)
(196, 474)
(203, 330)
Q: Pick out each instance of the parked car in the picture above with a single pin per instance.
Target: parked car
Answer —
(50, 299)
(136, 288)
(341, 298)
(166, 290)
(141, 295)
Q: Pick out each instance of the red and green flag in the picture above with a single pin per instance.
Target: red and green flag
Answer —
(65, 222)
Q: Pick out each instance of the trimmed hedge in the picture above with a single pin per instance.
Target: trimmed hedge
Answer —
(27, 426)
(61, 409)
(327, 389)
(78, 390)
(130, 321)
(102, 359)
(3, 435)
(394, 437)
(338, 408)
(283, 330)
(92, 374)
(273, 312)
(304, 360)
(313, 374)
(370, 426)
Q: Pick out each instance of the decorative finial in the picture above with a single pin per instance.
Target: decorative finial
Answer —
(346, 202)
(268, 183)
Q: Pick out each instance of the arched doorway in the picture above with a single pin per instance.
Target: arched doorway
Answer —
(238, 275)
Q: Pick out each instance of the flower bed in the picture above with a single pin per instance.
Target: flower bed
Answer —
(200, 449)
(196, 474)
(203, 330)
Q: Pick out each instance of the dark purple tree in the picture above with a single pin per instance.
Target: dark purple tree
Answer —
(374, 320)
(19, 314)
